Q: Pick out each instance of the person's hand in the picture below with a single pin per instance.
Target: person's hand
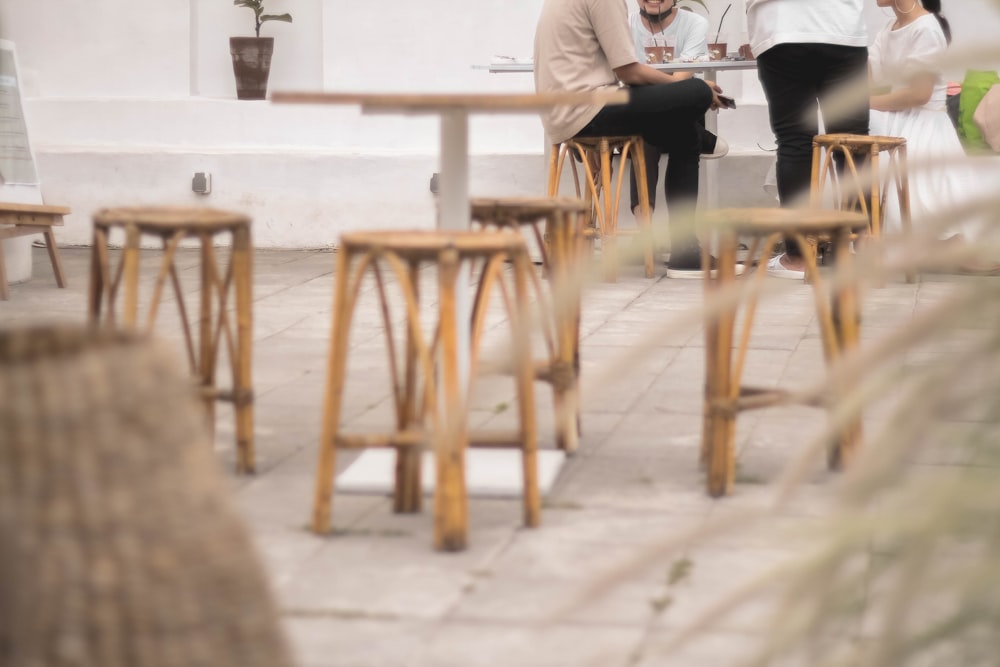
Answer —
(716, 92)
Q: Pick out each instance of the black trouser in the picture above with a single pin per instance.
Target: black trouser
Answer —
(652, 160)
(797, 80)
(667, 117)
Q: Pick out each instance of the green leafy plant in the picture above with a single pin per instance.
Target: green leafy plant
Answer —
(682, 3)
(257, 6)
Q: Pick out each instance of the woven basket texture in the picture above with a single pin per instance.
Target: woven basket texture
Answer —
(119, 541)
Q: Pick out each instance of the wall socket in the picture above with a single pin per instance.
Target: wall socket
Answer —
(201, 183)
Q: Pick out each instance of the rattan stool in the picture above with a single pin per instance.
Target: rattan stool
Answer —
(870, 199)
(27, 219)
(557, 225)
(212, 325)
(839, 322)
(430, 385)
(597, 189)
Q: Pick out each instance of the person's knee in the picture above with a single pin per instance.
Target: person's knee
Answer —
(701, 93)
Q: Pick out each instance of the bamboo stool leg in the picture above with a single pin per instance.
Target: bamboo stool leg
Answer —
(566, 255)
(95, 284)
(57, 267)
(525, 392)
(609, 226)
(646, 236)
(720, 432)
(206, 346)
(407, 493)
(130, 264)
(847, 318)
(242, 265)
(333, 400)
(815, 182)
(554, 171)
(450, 512)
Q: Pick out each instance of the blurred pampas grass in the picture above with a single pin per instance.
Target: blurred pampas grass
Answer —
(903, 567)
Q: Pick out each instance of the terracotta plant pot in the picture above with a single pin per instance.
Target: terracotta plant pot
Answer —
(717, 50)
(251, 65)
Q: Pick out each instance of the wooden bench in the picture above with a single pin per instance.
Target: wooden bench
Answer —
(26, 219)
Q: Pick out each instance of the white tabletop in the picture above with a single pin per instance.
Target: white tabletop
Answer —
(517, 66)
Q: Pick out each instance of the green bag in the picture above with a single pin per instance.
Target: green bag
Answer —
(974, 87)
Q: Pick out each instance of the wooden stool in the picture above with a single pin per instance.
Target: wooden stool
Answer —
(869, 199)
(839, 324)
(26, 219)
(557, 225)
(428, 415)
(596, 189)
(173, 225)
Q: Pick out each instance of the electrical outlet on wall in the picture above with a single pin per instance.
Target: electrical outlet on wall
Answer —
(201, 183)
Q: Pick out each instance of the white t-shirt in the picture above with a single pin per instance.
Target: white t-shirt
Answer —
(897, 55)
(687, 33)
(773, 22)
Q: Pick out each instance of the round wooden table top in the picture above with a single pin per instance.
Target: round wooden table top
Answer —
(423, 103)
(169, 219)
(766, 221)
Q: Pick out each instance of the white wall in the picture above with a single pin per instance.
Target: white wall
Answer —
(127, 99)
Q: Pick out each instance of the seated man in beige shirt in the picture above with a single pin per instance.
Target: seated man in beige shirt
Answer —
(585, 45)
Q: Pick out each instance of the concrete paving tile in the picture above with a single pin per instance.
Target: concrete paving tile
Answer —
(513, 599)
(656, 435)
(283, 551)
(535, 554)
(713, 576)
(728, 648)
(397, 576)
(641, 530)
(320, 640)
(471, 644)
(672, 394)
(635, 483)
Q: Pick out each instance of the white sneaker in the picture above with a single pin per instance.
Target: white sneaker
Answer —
(776, 269)
(721, 150)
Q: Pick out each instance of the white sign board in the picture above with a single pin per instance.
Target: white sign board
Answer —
(16, 164)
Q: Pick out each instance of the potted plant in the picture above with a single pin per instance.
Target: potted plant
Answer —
(252, 55)
(682, 4)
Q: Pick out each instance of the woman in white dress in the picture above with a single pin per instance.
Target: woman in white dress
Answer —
(909, 100)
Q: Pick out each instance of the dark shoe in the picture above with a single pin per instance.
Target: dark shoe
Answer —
(687, 269)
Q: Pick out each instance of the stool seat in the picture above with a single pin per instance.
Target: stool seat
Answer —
(725, 353)
(558, 308)
(430, 375)
(168, 220)
(859, 141)
(421, 243)
(225, 286)
(524, 209)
